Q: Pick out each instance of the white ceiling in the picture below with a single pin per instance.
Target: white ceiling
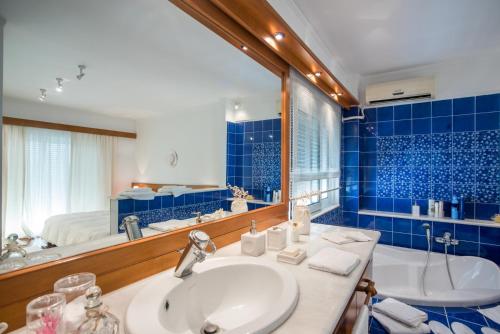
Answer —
(375, 36)
(144, 57)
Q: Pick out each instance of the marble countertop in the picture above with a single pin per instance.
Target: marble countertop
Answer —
(323, 296)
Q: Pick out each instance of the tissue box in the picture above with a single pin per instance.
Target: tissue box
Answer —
(276, 238)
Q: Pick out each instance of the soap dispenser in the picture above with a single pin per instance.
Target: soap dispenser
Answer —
(97, 321)
(253, 243)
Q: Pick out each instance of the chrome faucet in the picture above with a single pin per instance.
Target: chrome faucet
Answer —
(198, 217)
(446, 240)
(12, 247)
(194, 252)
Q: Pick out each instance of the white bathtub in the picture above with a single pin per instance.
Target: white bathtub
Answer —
(397, 273)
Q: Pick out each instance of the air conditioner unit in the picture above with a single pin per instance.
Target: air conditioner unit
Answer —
(400, 90)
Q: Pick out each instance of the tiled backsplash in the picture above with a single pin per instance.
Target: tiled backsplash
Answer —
(424, 150)
(254, 155)
(413, 152)
(166, 207)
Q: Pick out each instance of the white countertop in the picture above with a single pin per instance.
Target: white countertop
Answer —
(323, 296)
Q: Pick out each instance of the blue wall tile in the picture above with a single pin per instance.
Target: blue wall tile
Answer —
(421, 110)
(385, 114)
(402, 112)
(421, 126)
(441, 108)
(487, 103)
(463, 106)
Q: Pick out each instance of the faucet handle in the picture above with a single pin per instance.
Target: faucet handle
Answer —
(198, 216)
(201, 240)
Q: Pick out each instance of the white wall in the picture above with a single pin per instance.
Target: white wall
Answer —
(303, 28)
(253, 108)
(456, 78)
(199, 138)
(124, 164)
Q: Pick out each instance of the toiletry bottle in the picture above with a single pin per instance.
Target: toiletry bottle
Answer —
(430, 210)
(436, 209)
(454, 207)
(441, 209)
(253, 243)
(415, 210)
(267, 194)
(98, 321)
(461, 210)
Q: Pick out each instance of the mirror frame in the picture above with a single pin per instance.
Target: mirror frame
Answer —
(116, 266)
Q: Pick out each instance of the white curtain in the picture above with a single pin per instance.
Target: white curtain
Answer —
(49, 172)
(91, 166)
(315, 146)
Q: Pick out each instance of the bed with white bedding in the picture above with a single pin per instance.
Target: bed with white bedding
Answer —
(75, 228)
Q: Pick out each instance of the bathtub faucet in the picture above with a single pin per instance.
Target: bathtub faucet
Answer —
(446, 240)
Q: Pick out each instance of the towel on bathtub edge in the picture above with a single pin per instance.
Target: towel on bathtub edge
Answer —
(395, 327)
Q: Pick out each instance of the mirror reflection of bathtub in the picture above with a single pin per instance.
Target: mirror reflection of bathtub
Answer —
(88, 127)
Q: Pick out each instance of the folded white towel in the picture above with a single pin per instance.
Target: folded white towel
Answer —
(334, 261)
(336, 237)
(395, 327)
(406, 314)
(175, 191)
(140, 196)
(357, 236)
(487, 330)
(460, 328)
(492, 313)
(439, 328)
(171, 225)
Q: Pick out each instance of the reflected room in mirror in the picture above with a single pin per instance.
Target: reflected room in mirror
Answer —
(125, 121)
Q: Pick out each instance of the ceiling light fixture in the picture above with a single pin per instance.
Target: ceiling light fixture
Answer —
(310, 76)
(82, 72)
(317, 74)
(59, 87)
(43, 95)
(279, 36)
(333, 94)
(339, 94)
(237, 106)
(244, 48)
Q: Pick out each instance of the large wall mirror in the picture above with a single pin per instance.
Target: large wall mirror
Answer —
(115, 109)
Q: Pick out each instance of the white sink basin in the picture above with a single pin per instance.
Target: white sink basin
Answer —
(238, 294)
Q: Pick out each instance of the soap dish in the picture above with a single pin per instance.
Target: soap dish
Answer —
(301, 255)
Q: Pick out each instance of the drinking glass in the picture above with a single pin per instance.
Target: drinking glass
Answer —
(74, 285)
(44, 315)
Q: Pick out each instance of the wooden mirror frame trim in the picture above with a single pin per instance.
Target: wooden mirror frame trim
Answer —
(123, 264)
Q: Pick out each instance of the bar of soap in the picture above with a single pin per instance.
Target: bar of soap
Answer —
(290, 251)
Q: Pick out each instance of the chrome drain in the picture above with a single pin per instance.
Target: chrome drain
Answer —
(209, 328)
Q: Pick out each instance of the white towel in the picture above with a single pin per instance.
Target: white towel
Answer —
(492, 313)
(175, 191)
(460, 328)
(141, 194)
(334, 261)
(336, 237)
(487, 330)
(171, 225)
(406, 314)
(395, 327)
(357, 236)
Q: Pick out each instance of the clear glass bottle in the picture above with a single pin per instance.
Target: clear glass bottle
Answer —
(98, 321)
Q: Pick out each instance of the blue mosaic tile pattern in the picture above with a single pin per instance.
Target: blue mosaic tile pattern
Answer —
(254, 155)
(332, 217)
(437, 149)
(469, 316)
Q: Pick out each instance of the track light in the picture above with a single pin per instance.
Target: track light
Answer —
(317, 74)
(244, 47)
(43, 95)
(59, 87)
(279, 36)
(82, 72)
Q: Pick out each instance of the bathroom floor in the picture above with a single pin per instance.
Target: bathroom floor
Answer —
(447, 315)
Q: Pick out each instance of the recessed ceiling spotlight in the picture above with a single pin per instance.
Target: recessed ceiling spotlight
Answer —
(244, 48)
(237, 106)
(339, 94)
(82, 72)
(333, 94)
(317, 74)
(279, 36)
(59, 87)
(43, 95)
(310, 76)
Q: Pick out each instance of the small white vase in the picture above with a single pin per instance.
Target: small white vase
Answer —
(239, 205)
(302, 216)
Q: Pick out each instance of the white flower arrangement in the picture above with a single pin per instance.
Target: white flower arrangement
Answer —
(238, 192)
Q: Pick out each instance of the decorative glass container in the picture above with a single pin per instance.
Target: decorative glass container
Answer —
(44, 315)
(239, 205)
(75, 285)
(98, 321)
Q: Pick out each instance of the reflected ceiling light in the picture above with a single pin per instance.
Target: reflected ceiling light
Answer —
(317, 74)
(244, 48)
(333, 94)
(310, 76)
(279, 36)
(43, 95)
(339, 94)
(82, 72)
(59, 87)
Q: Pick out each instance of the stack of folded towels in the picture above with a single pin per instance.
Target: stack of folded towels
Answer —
(334, 261)
(341, 237)
(174, 190)
(142, 194)
(399, 318)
